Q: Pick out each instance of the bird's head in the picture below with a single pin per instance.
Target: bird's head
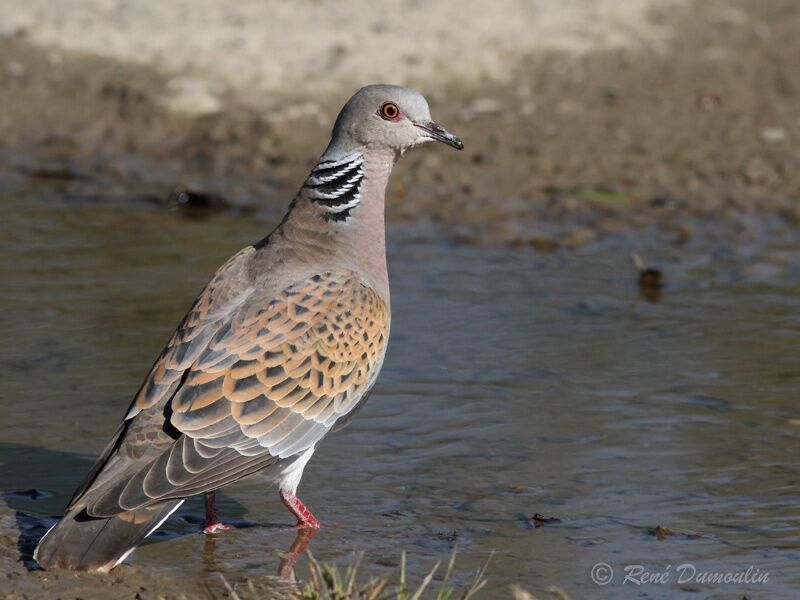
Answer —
(390, 118)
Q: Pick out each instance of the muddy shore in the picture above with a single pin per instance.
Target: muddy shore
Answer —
(564, 148)
(21, 581)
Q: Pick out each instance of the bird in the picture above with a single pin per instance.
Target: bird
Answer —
(282, 346)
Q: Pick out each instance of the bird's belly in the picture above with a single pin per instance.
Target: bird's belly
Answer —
(290, 470)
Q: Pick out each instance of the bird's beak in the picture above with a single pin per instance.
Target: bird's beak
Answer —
(437, 132)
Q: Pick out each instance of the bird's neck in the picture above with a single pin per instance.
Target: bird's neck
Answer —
(339, 214)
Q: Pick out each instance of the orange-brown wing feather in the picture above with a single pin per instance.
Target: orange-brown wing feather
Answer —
(284, 372)
(269, 382)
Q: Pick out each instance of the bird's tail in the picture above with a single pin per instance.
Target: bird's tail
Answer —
(83, 543)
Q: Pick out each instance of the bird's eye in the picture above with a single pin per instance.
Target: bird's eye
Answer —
(389, 111)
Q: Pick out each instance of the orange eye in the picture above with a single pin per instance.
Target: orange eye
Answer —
(389, 111)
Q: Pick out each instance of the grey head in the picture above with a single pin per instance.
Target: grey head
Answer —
(385, 118)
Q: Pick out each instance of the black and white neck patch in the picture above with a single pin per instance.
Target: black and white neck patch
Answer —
(336, 185)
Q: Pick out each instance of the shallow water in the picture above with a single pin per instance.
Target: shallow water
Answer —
(516, 383)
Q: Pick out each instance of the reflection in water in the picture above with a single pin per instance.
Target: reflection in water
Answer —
(296, 550)
(515, 384)
(286, 564)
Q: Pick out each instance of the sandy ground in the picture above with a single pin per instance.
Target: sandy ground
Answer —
(580, 118)
(314, 47)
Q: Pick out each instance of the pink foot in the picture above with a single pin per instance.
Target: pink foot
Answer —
(299, 510)
(212, 523)
(215, 527)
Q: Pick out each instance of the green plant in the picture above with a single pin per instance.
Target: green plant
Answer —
(327, 582)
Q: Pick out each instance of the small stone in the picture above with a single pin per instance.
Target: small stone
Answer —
(774, 135)
(661, 532)
(540, 520)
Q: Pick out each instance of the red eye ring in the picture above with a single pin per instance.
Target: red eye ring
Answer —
(389, 111)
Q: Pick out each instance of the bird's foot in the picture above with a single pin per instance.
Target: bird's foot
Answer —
(216, 527)
(212, 523)
(299, 510)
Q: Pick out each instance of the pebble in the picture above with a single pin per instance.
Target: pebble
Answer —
(774, 135)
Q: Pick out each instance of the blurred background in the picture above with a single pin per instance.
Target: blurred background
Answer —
(646, 107)
(540, 369)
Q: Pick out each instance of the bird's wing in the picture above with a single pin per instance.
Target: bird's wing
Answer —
(268, 384)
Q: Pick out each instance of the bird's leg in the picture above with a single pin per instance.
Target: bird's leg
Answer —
(212, 523)
(299, 510)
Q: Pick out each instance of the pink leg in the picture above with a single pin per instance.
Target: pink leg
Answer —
(212, 523)
(299, 510)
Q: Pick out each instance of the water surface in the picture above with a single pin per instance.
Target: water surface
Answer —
(515, 383)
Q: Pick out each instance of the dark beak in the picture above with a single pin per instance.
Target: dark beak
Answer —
(440, 134)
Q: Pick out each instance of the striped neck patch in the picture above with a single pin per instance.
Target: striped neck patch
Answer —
(336, 185)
